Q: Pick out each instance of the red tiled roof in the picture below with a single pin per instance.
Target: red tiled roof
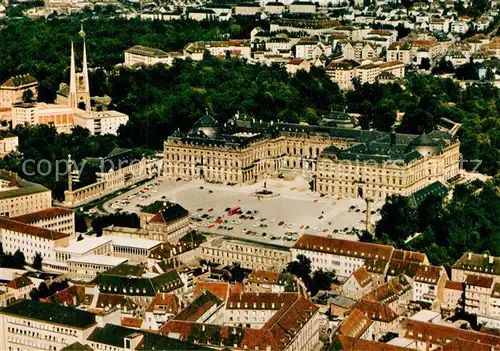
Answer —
(376, 310)
(362, 276)
(167, 302)
(276, 333)
(44, 214)
(296, 61)
(219, 289)
(115, 300)
(19, 227)
(262, 301)
(441, 334)
(387, 65)
(355, 324)
(404, 255)
(450, 284)
(351, 344)
(73, 295)
(343, 247)
(198, 307)
(389, 291)
(19, 282)
(261, 277)
(131, 322)
(462, 345)
(476, 280)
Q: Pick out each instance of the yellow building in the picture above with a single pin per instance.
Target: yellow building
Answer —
(19, 197)
(341, 160)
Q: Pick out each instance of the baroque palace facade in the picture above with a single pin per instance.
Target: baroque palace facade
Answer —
(341, 160)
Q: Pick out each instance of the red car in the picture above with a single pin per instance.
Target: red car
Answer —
(210, 209)
(211, 225)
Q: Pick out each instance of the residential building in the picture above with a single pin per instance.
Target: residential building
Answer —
(201, 14)
(359, 283)
(161, 310)
(278, 44)
(359, 50)
(19, 197)
(54, 218)
(439, 25)
(100, 123)
(274, 8)
(426, 334)
(367, 73)
(118, 338)
(9, 142)
(263, 321)
(267, 281)
(428, 281)
(302, 7)
(453, 296)
(30, 239)
(35, 325)
(344, 257)
(247, 9)
(19, 288)
(12, 90)
(477, 294)
(342, 72)
(143, 55)
(295, 65)
(483, 265)
(233, 48)
(132, 282)
(165, 221)
(250, 255)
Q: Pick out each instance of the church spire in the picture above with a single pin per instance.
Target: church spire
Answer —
(73, 100)
(85, 71)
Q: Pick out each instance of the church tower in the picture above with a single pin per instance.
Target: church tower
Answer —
(79, 92)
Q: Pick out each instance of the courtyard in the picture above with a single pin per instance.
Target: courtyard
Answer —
(279, 220)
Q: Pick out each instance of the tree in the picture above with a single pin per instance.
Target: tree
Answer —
(28, 95)
(425, 64)
(80, 223)
(37, 261)
(321, 280)
(417, 122)
(398, 219)
(301, 268)
(18, 260)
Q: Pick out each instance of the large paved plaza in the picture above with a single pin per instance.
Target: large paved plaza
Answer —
(300, 210)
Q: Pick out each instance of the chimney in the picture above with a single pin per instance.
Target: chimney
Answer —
(469, 255)
(490, 259)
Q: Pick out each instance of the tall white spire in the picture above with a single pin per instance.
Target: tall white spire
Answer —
(85, 71)
(73, 98)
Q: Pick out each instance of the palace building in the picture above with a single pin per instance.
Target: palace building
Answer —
(339, 158)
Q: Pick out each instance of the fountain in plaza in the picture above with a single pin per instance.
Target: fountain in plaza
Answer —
(265, 193)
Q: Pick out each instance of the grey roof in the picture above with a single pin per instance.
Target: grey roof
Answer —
(22, 187)
(114, 335)
(51, 313)
(436, 188)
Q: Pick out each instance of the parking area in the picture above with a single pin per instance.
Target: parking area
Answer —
(279, 220)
